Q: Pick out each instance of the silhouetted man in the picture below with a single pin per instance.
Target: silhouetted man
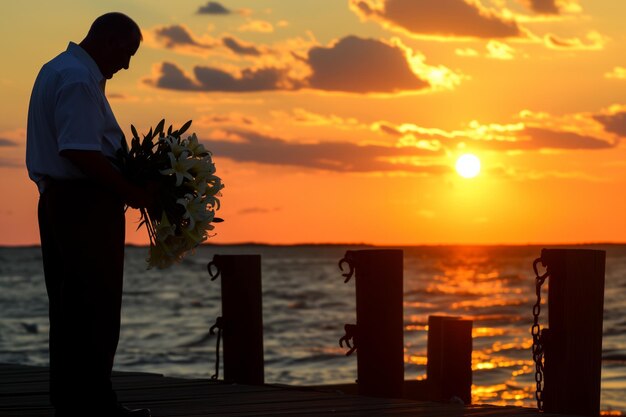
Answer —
(72, 139)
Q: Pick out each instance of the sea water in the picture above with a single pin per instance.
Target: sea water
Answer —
(167, 314)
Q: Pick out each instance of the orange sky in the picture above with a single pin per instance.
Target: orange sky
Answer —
(341, 120)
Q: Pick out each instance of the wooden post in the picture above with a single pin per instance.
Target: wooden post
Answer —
(242, 318)
(573, 349)
(380, 325)
(449, 366)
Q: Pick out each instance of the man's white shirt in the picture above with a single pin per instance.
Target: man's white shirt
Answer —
(68, 111)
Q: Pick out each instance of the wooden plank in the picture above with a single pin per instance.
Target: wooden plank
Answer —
(179, 397)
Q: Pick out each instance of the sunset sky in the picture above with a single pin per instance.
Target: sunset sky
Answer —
(342, 120)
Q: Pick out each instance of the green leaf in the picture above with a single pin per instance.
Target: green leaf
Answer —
(184, 128)
(169, 130)
(159, 128)
(135, 134)
(217, 220)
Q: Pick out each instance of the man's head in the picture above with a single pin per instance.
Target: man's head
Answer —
(111, 41)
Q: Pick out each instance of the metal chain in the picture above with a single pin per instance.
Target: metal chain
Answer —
(538, 347)
(219, 326)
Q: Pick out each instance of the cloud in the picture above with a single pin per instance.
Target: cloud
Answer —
(352, 65)
(613, 123)
(543, 6)
(176, 35)
(541, 138)
(11, 162)
(303, 117)
(258, 210)
(260, 26)
(552, 7)
(499, 50)
(213, 8)
(7, 142)
(246, 146)
(495, 50)
(497, 137)
(181, 39)
(171, 77)
(362, 65)
(239, 47)
(441, 18)
(122, 97)
(225, 119)
(618, 73)
(249, 79)
(595, 42)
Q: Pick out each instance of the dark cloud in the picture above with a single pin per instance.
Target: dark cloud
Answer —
(330, 156)
(173, 78)
(258, 210)
(226, 119)
(543, 6)
(214, 79)
(262, 79)
(453, 18)
(176, 35)
(7, 142)
(390, 130)
(353, 65)
(613, 123)
(362, 65)
(11, 163)
(527, 139)
(536, 138)
(213, 8)
(239, 48)
(541, 138)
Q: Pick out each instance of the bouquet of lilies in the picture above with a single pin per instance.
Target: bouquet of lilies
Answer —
(188, 190)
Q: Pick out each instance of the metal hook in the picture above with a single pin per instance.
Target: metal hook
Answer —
(540, 278)
(213, 263)
(347, 259)
(351, 331)
(217, 325)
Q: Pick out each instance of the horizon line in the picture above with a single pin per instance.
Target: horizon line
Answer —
(253, 243)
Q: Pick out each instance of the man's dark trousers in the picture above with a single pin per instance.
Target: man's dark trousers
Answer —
(82, 239)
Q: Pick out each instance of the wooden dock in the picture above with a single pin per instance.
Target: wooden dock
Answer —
(24, 393)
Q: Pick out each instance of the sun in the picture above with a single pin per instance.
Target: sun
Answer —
(468, 165)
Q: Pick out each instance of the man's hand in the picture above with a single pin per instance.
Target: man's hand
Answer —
(98, 168)
(144, 197)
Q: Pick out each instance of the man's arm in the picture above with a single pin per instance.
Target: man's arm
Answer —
(97, 167)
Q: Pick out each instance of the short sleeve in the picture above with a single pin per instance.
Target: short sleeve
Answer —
(79, 117)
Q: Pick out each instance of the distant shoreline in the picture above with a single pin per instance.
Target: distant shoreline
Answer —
(373, 245)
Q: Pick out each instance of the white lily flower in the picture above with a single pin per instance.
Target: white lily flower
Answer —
(164, 229)
(203, 167)
(176, 148)
(195, 209)
(180, 167)
(194, 146)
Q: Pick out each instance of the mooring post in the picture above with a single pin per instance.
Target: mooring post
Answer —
(449, 364)
(242, 317)
(379, 331)
(573, 346)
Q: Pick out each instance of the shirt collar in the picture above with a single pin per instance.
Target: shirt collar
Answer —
(84, 58)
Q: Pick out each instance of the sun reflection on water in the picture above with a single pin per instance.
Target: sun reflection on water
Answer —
(491, 291)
